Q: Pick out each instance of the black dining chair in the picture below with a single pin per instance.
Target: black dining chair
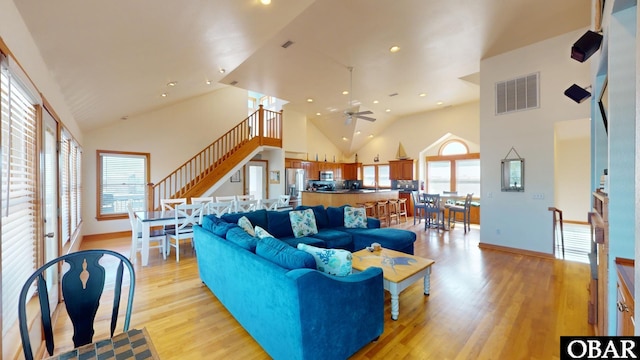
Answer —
(82, 287)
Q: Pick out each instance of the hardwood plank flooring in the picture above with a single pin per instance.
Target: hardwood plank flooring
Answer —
(484, 304)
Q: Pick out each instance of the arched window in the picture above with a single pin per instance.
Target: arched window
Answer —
(454, 147)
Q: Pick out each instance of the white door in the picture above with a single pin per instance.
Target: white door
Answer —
(256, 179)
(50, 205)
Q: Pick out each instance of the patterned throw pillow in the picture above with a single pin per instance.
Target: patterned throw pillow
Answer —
(245, 224)
(261, 233)
(303, 223)
(355, 217)
(331, 261)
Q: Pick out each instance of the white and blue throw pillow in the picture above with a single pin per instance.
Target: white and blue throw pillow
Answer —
(261, 233)
(246, 225)
(331, 261)
(355, 217)
(303, 223)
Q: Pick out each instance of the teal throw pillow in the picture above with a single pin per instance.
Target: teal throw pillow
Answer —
(303, 223)
(331, 261)
(355, 217)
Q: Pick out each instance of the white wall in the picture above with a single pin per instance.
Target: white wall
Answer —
(17, 37)
(514, 219)
(318, 143)
(293, 125)
(172, 135)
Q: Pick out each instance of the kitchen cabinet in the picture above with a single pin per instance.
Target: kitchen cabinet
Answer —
(351, 171)
(625, 302)
(401, 169)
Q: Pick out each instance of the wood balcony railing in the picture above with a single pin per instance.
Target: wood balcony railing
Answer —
(215, 162)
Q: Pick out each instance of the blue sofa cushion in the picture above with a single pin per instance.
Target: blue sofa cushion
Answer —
(322, 220)
(331, 261)
(216, 225)
(335, 216)
(335, 239)
(309, 240)
(279, 224)
(258, 217)
(240, 237)
(394, 239)
(284, 255)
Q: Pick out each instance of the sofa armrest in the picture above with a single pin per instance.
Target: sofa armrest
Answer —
(373, 223)
(356, 302)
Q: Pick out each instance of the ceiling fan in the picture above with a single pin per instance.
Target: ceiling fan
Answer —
(352, 114)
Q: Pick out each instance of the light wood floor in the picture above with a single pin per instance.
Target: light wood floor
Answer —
(484, 304)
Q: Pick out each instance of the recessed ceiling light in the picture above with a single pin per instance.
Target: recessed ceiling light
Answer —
(375, 101)
(265, 2)
(345, 92)
(357, 132)
(164, 95)
(370, 136)
(172, 83)
(309, 100)
(422, 95)
(394, 48)
(318, 114)
(344, 138)
(439, 103)
(222, 71)
(388, 110)
(208, 82)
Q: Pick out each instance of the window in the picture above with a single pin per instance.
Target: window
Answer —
(376, 176)
(455, 169)
(19, 190)
(122, 177)
(70, 186)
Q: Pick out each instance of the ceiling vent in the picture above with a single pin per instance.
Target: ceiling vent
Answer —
(518, 94)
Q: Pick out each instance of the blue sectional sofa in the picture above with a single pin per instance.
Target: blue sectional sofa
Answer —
(293, 310)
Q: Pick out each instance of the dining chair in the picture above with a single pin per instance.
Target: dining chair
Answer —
(82, 286)
(269, 204)
(168, 205)
(418, 207)
(206, 200)
(284, 200)
(230, 198)
(246, 205)
(220, 208)
(433, 211)
(156, 236)
(465, 210)
(245, 197)
(186, 215)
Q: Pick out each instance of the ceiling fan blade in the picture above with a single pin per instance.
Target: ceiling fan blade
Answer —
(365, 118)
(366, 112)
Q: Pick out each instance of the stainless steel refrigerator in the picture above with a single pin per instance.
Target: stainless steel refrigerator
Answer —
(296, 181)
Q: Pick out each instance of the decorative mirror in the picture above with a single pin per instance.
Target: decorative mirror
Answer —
(512, 170)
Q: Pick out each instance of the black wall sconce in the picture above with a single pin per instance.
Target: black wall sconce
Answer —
(577, 93)
(586, 46)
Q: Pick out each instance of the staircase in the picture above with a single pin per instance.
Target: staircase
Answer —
(216, 161)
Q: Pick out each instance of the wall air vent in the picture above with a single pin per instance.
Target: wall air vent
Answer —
(518, 94)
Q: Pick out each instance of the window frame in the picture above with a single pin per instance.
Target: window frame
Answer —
(99, 154)
(376, 176)
(452, 159)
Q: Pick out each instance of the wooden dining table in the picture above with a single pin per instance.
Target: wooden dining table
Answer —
(133, 344)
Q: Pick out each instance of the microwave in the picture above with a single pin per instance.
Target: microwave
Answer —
(326, 175)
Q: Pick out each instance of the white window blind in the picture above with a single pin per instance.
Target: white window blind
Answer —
(65, 192)
(122, 177)
(19, 197)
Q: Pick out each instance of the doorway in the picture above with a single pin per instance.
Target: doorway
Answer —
(50, 205)
(256, 174)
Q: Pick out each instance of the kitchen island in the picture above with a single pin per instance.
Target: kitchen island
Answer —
(346, 197)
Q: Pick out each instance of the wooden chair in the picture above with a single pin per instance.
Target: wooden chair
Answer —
(418, 207)
(220, 208)
(231, 199)
(156, 236)
(186, 215)
(394, 211)
(82, 287)
(402, 209)
(465, 210)
(206, 201)
(433, 211)
(382, 210)
(284, 200)
(246, 205)
(269, 204)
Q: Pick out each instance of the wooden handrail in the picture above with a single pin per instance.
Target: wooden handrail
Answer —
(263, 127)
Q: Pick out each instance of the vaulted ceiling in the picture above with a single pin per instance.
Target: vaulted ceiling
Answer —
(114, 59)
